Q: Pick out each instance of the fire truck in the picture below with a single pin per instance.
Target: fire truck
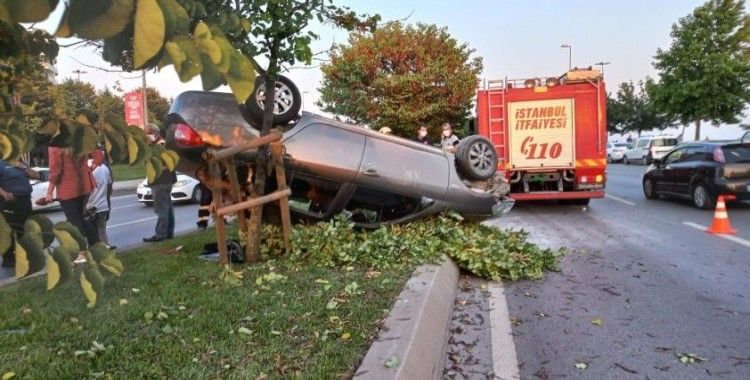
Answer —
(550, 134)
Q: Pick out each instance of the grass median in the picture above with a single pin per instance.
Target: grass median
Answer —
(312, 312)
(171, 315)
(127, 172)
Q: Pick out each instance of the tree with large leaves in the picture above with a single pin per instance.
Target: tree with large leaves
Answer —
(705, 73)
(401, 77)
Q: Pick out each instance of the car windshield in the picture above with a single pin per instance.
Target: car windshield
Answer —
(663, 142)
(736, 154)
(622, 145)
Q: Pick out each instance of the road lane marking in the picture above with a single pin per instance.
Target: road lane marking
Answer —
(504, 359)
(735, 239)
(121, 207)
(123, 196)
(618, 199)
(131, 222)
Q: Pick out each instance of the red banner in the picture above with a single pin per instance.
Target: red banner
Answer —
(134, 108)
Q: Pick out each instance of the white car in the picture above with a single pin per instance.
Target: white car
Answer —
(616, 151)
(186, 189)
(39, 190)
(646, 149)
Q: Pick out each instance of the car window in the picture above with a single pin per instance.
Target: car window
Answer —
(621, 145)
(642, 143)
(674, 156)
(736, 154)
(663, 142)
(368, 206)
(312, 195)
(695, 153)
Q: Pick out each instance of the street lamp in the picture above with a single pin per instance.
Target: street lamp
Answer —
(602, 64)
(570, 55)
(79, 72)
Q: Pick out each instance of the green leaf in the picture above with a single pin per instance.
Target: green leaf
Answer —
(86, 140)
(6, 234)
(391, 362)
(94, 20)
(30, 251)
(241, 76)
(149, 32)
(71, 240)
(26, 10)
(88, 290)
(64, 265)
(44, 227)
(191, 64)
(53, 273)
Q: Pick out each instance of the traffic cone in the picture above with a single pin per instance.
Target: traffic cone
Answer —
(721, 225)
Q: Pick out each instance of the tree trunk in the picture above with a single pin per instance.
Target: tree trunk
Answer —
(697, 130)
(261, 163)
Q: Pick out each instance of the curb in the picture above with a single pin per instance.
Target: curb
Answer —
(125, 187)
(415, 331)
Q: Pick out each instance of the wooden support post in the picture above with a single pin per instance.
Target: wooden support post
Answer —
(236, 192)
(253, 202)
(252, 144)
(286, 221)
(221, 232)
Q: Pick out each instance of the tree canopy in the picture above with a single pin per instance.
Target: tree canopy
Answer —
(705, 73)
(632, 110)
(401, 76)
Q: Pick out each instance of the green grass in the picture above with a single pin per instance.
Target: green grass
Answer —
(127, 172)
(171, 316)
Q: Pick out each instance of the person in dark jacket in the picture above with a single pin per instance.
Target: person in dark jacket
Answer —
(15, 200)
(162, 191)
(422, 136)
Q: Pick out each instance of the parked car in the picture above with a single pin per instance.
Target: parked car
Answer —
(39, 190)
(334, 168)
(745, 138)
(616, 151)
(646, 149)
(186, 189)
(701, 171)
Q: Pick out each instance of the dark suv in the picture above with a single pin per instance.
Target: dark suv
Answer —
(701, 171)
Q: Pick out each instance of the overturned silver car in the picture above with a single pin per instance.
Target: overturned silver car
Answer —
(336, 168)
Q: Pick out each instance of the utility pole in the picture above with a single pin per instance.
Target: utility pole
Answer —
(602, 64)
(570, 55)
(145, 103)
(79, 72)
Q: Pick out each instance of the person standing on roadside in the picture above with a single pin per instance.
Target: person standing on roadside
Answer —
(162, 191)
(15, 201)
(422, 136)
(98, 206)
(70, 178)
(449, 140)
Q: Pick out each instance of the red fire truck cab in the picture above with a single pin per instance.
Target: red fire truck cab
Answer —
(550, 134)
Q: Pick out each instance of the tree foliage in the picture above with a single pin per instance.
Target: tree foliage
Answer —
(402, 77)
(632, 110)
(705, 73)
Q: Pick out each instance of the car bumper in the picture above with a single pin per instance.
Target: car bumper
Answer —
(737, 188)
(617, 156)
(179, 194)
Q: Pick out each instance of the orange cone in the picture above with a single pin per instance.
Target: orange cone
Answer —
(721, 224)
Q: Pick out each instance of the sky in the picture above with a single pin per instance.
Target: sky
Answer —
(515, 38)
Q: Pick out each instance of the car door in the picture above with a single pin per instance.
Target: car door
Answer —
(326, 151)
(642, 149)
(668, 171)
(404, 167)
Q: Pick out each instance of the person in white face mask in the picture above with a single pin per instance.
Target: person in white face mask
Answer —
(422, 136)
(449, 140)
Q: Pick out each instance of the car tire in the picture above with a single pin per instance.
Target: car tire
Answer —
(625, 160)
(476, 158)
(702, 198)
(649, 189)
(197, 194)
(288, 102)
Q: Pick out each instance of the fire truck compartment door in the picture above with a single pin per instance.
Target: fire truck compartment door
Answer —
(542, 134)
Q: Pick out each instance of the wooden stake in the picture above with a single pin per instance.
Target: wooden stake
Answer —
(221, 232)
(286, 221)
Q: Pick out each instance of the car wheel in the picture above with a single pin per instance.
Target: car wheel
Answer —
(649, 189)
(287, 102)
(476, 158)
(625, 160)
(702, 198)
(197, 194)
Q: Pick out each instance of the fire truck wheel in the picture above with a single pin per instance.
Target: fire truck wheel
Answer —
(287, 102)
(476, 158)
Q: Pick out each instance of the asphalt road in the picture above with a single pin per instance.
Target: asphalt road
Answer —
(640, 285)
(130, 222)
